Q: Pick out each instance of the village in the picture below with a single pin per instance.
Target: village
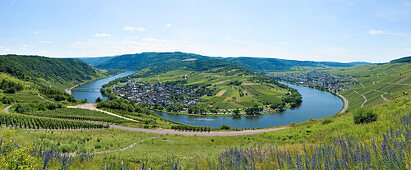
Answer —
(327, 81)
(159, 93)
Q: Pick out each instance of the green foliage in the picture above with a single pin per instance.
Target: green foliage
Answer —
(56, 94)
(365, 115)
(192, 128)
(9, 86)
(14, 156)
(59, 71)
(22, 108)
(7, 100)
(326, 121)
(123, 104)
(225, 127)
(253, 110)
(98, 100)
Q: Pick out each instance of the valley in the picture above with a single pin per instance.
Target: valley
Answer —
(121, 128)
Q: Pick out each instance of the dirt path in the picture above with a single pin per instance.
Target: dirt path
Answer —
(92, 106)
(345, 107)
(211, 133)
(220, 93)
(382, 95)
(6, 109)
(360, 83)
(73, 154)
(365, 99)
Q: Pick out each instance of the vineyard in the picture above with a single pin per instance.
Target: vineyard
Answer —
(78, 114)
(34, 122)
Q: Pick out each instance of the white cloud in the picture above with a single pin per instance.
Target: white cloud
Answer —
(380, 32)
(373, 32)
(131, 28)
(168, 25)
(102, 35)
(45, 42)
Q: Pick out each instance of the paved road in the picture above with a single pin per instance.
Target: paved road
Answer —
(345, 107)
(6, 109)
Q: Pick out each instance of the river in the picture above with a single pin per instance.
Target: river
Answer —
(316, 104)
(91, 90)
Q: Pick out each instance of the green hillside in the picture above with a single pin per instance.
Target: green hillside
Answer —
(58, 73)
(402, 60)
(377, 83)
(264, 65)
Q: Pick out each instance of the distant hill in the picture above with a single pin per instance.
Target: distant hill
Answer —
(173, 60)
(402, 60)
(58, 72)
(94, 60)
(274, 64)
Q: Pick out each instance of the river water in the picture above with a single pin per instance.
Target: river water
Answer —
(316, 104)
(91, 90)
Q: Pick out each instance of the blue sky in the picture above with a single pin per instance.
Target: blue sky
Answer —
(319, 30)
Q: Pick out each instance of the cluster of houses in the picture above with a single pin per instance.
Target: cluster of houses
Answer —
(158, 93)
(316, 79)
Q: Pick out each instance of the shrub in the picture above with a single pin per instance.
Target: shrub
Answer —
(364, 116)
(23, 108)
(224, 127)
(326, 121)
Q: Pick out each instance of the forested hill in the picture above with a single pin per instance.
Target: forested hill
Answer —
(274, 64)
(166, 60)
(57, 72)
(402, 60)
(173, 60)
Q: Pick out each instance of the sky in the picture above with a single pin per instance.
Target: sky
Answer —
(316, 30)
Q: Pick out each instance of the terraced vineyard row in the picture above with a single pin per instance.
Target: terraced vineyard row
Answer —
(34, 122)
(78, 114)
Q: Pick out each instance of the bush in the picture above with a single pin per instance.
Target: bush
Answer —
(225, 127)
(364, 116)
(23, 108)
